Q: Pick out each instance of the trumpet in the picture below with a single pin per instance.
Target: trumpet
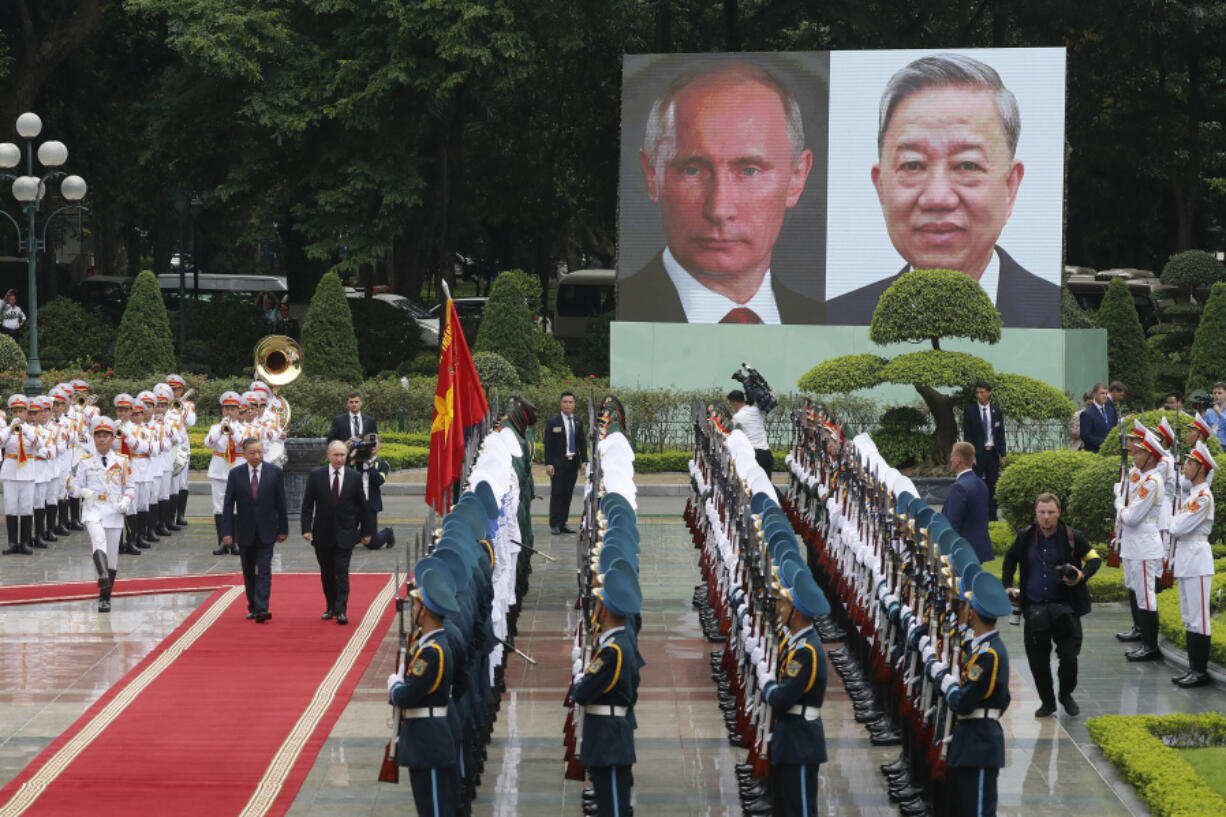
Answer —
(225, 428)
(85, 400)
(16, 426)
(177, 403)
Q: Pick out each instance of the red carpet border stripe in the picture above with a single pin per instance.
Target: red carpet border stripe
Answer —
(45, 592)
(32, 788)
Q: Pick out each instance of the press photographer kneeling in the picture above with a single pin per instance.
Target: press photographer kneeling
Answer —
(1052, 597)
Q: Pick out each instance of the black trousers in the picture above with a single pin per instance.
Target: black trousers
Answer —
(435, 791)
(561, 489)
(1048, 625)
(987, 466)
(612, 787)
(794, 789)
(256, 559)
(972, 792)
(334, 575)
(765, 459)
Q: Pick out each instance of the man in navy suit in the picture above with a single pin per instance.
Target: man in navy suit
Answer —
(353, 424)
(966, 507)
(254, 512)
(565, 452)
(983, 426)
(1097, 419)
(334, 510)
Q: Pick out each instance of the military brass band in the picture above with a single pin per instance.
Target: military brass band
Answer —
(848, 553)
(462, 604)
(598, 732)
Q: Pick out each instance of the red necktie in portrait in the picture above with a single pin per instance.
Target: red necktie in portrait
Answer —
(741, 315)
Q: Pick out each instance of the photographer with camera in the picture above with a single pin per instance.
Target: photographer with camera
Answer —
(749, 408)
(1055, 561)
(364, 458)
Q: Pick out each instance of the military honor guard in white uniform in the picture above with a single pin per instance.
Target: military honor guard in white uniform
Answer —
(1192, 563)
(20, 442)
(223, 440)
(1138, 507)
(185, 417)
(103, 484)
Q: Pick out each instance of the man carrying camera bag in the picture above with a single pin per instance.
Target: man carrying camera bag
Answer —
(1055, 561)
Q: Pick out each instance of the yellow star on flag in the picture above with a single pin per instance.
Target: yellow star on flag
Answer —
(444, 412)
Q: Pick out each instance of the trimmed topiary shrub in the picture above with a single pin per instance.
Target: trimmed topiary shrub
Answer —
(144, 346)
(1029, 475)
(384, 342)
(900, 439)
(12, 359)
(329, 345)
(496, 371)
(1208, 363)
(1022, 396)
(550, 353)
(1192, 268)
(594, 357)
(506, 328)
(70, 335)
(1128, 356)
(934, 304)
(843, 374)
(1090, 507)
(1072, 316)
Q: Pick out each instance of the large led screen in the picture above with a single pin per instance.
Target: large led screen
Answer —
(794, 188)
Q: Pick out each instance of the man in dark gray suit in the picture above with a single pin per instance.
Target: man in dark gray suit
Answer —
(334, 510)
(254, 512)
(947, 177)
(966, 506)
(724, 157)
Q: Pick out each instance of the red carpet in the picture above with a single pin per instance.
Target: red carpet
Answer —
(225, 717)
(136, 586)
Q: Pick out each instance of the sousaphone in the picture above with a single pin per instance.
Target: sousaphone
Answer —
(278, 362)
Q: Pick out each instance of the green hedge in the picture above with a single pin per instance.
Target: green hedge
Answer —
(1138, 746)
(1029, 475)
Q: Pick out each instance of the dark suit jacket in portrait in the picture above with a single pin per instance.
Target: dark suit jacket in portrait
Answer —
(555, 441)
(649, 295)
(341, 525)
(972, 429)
(966, 508)
(1023, 299)
(342, 427)
(256, 520)
(1094, 426)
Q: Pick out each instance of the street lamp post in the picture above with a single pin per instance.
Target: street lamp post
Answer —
(29, 190)
(184, 203)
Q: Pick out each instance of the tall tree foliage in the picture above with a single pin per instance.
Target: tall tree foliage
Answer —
(1128, 356)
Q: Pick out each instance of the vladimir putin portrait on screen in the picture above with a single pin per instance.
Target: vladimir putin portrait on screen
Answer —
(947, 177)
(724, 159)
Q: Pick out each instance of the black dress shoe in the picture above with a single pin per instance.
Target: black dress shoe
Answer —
(221, 550)
(341, 618)
(1070, 706)
(1144, 653)
(565, 529)
(1194, 679)
(1130, 635)
(251, 616)
(327, 616)
(1045, 710)
(555, 531)
(262, 616)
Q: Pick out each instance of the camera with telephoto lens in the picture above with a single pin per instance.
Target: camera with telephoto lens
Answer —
(757, 390)
(362, 451)
(1067, 571)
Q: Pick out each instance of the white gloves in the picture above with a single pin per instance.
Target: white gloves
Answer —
(125, 507)
(947, 682)
(575, 653)
(764, 676)
(576, 669)
(936, 669)
(88, 494)
(927, 651)
(392, 680)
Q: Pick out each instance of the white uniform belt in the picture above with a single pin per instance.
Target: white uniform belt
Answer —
(426, 712)
(809, 713)
(606, 710)
(984, 713)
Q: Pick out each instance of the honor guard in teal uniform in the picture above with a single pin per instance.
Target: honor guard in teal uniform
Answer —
(978, 697)
(606, 690)
(423, 693)
(798, 741)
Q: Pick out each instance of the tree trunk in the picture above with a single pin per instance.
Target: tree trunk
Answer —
(946, 433)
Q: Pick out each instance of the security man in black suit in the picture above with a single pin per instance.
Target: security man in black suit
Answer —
(254, 513)
(798, 741)
(334, 509)
(565, 451)
(353, 425)
(606, 691)
(424, 692)
(979, 697)
(983, 426)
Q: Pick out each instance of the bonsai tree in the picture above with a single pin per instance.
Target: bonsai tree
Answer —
(506, 327)
(926, 306)
(1187, 273)
(1208, 363)
(144, 344)
(329, 345)
(1128, 356)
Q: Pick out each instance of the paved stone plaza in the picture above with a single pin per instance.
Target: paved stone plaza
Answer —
(55, 659)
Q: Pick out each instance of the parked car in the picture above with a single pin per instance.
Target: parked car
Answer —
(582, 297)
(1148, 291)
(105, 293)
(399, 307)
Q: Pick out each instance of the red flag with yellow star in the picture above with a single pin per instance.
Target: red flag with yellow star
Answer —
(459, 403)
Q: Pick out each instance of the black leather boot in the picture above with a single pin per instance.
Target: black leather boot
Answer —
(137, 535)
(1198, 662)
(126, 545)
(1148, 648)
(171, 508)
(62, 528)
(147, 526)
(27, 535)
(221, 550)
(39, 521)
(104, 598)
(181, 507)
(104, 575)
(159, 518)
(49, 523)
(14, 542)
(74, 506)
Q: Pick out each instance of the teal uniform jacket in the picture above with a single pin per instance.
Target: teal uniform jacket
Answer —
(978, 742)
(612, 679)
(801, 681)
(427, 682)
